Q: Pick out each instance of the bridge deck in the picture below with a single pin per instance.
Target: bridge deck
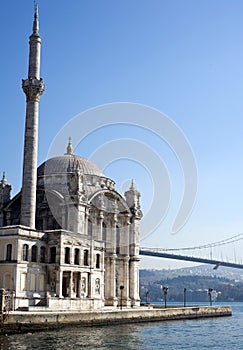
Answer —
(151, 253)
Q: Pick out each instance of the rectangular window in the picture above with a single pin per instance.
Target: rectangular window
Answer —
(97, 262)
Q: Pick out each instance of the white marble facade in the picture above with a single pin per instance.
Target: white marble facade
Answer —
(68, 240)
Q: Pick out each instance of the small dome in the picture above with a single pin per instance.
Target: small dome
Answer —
(68, 163)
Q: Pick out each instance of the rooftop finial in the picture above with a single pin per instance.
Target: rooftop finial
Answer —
(4, 180)
(132, 185)
(70, 146)
(36, 21)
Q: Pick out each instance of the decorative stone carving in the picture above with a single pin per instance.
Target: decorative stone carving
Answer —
(33, 88)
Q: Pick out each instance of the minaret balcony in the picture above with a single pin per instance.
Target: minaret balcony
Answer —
(33, 88)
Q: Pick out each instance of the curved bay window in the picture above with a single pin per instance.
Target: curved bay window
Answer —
(25, 252)
(8, 252)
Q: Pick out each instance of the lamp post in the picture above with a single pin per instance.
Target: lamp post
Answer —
(121, 289)
(184, 297)
(165, 291)
(147, 297)
(210, 295)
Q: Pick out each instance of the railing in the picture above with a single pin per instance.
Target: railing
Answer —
(6, 304)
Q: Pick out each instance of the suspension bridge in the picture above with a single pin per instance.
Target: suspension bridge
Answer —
(227, 252)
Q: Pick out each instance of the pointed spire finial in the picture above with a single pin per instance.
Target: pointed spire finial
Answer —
(4, 180)
(36, 20)
(132, 187)
(69, 146)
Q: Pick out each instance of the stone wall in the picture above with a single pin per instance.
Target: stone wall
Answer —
(33, 321)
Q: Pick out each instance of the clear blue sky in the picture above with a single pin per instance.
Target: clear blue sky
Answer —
(182, 57)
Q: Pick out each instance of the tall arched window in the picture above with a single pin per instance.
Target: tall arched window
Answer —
(118, 240)
(42, 254)
(52, 255)
(34, 253)
(86, 257)
(67, 255)
(25, 252)
(8, 252)
(76, 256)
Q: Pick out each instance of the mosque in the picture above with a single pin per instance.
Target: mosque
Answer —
(68, 239)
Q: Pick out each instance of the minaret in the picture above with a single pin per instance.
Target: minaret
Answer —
(33, 88)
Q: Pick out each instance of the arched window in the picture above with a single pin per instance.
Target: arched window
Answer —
(86, 257)
(117, 240)
(34, 253)
(9, 252)
(103, 232)
(42, 254)
(25, 252)
(89, 227)
(52, 255)
(97, 261)
(67, 255)
(76, 256)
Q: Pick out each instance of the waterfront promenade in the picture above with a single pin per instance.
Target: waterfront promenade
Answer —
(31, 321)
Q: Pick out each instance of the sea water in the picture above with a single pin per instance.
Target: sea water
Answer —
(223, 333)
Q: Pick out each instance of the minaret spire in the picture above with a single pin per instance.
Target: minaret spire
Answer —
(36, 20)
(33, 87)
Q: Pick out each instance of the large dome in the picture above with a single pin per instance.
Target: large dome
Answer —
(68, 163)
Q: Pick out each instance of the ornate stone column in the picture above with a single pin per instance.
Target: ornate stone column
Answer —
(134, 281)
(33, 87)
(110, 280)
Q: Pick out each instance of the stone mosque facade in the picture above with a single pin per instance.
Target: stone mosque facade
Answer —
(68, 239)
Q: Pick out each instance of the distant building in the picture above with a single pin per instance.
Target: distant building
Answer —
(68, 239)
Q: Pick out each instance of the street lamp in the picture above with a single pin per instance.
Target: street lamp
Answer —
(165, 291)
(210, 290)
(184, 297)
(147, 297)
(121, 289)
